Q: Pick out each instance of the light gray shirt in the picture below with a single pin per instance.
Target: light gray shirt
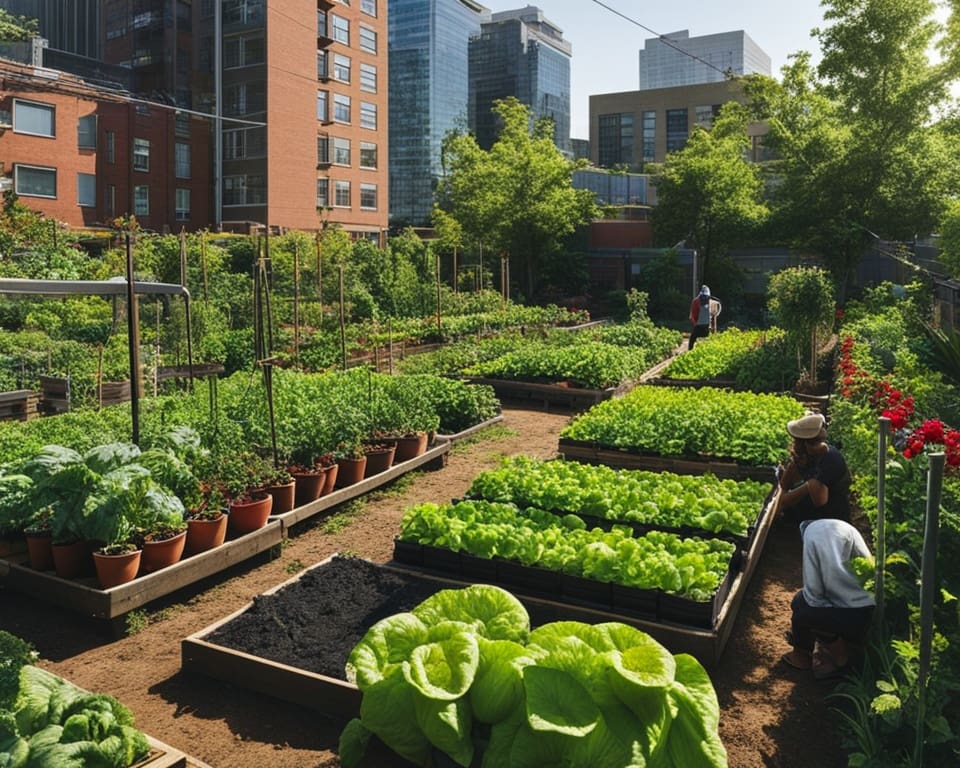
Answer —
(828, 547)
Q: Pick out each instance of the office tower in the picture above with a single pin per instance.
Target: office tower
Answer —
(520, 53)
(428, 95)
(678, 59)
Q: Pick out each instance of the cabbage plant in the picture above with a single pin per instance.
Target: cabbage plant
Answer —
(464, 674)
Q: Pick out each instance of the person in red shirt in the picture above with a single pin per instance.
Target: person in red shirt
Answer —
(704, 310)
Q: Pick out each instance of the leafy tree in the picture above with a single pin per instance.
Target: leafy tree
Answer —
(857, 156)
(517, 198)
(950, 238)
(801, 300)
(708, 193)
(17, 29)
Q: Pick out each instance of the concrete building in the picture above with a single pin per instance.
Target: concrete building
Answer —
(67, 25)
(677, 59)
(520, 53)
(633, 128)
(428, 95)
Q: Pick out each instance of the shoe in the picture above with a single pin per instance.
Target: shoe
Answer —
(830, 659)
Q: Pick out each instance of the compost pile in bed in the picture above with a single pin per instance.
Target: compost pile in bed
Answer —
(314, 622)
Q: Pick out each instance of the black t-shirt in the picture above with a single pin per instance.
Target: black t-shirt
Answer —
(831, 470)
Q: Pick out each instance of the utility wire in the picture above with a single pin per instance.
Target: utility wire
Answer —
(663, 39)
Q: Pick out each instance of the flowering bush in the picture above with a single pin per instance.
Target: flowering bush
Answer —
(934, 432)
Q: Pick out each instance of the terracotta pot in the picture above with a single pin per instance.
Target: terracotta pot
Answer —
(330, 478)
(205, 534)
(163, 553)
(251, 515)
(283, 496)
(72, 560)
(379, 461)
(351, 471)
(410, 446)
(40, 551)
(309, 487)
(113, 570)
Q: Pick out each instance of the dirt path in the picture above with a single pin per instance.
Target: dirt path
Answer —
(769, 716)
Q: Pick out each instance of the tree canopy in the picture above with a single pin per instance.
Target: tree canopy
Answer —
(16, 29)
(517, 199)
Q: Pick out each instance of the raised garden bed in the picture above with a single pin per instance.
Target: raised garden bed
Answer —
(325, 610)
(83, 595)
(544, 395)
(434, 457)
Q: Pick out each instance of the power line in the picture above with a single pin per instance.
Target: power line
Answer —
(662, 38)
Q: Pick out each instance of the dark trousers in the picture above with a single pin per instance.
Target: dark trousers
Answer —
(809, 623)
(698, 332)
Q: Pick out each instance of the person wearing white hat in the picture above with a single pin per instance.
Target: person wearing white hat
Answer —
(815, 483)
(704, 311)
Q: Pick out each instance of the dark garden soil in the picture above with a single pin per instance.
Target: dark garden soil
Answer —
(771, 716)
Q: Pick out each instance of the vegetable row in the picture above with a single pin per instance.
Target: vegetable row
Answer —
(689, 567)
(661, 499)
(743, 426)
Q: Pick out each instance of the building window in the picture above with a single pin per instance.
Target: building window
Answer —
(249, 189)
(244, 143)
(323, 149)
(322, 24)
(323, 193)
(705, 114)
(368, 197)
(183, 204)
(368, 39)
(205, 58)
(323, 65)
(341, 29)
(243, 52)
(615, 140)
(110, 201)
(35, 119)
(243, 11)
(368, 78)
(368, 7)
(676, 129)
(182, 154)
(341, 68)
(368, 155)
(34, 181)
(87, 132)
(141, 200)
(649, 139)
(341, 194)
(141, 155)
(323, 107)
(244, 98)
(111, 148)
(181, 124)
(368, 115)
(341, 151)
(86, 190)
(341, 108)
(206, 8)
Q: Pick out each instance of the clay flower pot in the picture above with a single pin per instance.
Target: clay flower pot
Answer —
(330, 478)
(72, 560)
(283, 496)
(249, 516)
(40, 551)
(379, 460)
(204, 534)
(351, 471)
(309, 487)
(410, 446)
(162, 553)
(113, 570)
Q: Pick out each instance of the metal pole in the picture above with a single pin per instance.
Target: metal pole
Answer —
(133, 345)
(439, 331)
(218, 115)
(881, 543)
(928, 590)
(343, 327)
(296, 303)
(319, 285)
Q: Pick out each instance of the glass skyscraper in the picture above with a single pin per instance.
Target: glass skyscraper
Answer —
(685, 60)
(428, 42)
(519, 53)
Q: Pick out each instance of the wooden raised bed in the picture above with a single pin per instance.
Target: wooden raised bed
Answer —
(434, 457)
(341, 700)
(84, 595)
(620, 458)
(454, 437)
(544, 396)
(19, 405)
(54, 394)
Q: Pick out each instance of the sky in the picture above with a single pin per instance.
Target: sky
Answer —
(606, 45)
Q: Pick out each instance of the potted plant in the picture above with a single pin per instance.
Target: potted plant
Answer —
(15, 511)
(280, 483)
(39, 540)
(351, 461)
(241, 475)
(206, 516)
